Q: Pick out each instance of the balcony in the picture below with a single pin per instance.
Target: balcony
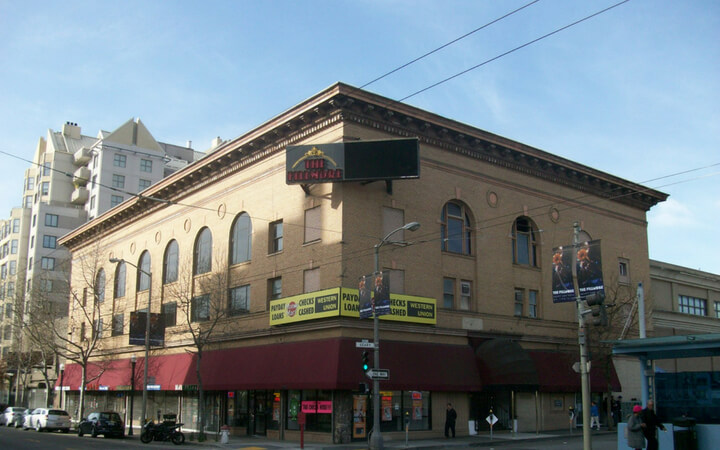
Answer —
(82, 156)
(80, 195)
(81, 176)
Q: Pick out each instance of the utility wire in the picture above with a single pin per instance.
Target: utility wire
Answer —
(511, 51)
(447, 45)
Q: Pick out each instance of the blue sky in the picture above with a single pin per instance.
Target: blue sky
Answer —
(633, 92)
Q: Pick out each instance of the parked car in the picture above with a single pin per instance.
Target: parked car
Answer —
(107, 423)
(48, 419)
(13, 415)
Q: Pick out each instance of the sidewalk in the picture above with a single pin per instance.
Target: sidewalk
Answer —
(480, 440)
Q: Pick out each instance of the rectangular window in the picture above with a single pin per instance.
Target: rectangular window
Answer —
(92, 202)
(200, 308)
(115, 200)
(239, 300)
(465, 294)
(311, 280)
(46, 285)
(30, 184)
(45, 188)
(16, 226)
(448, 293)
(9, 311)
(3, 271)
(13, 267)
(47, 263)
(144, 184)
(14, 246)
(275, 288)
(519, 296)
(11, 289)
(82, 331)
(97, 328)
(51, 220)
(46, 169)
(30, 267)
(276, 236)
(119, 160)
(169, 312)
(692, 305)
(28, 201)
(623, 271)
(118, 324)
(532, 304)
(717, 308)
(145, 165)
(118, 181)
(312, 225)
(49, 241)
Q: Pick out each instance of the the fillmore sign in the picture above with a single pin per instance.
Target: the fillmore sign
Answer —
(352, 161)
(310, 164)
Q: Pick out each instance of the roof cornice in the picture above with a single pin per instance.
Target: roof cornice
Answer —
(344, 103)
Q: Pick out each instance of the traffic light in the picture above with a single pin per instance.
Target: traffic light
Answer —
(365, 361)
(596, 303)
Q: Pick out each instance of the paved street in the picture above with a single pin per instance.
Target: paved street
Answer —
(15, 438)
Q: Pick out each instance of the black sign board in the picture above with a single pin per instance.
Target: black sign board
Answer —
(138, 327)
(353, 161)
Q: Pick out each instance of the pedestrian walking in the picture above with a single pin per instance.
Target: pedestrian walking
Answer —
(650, 424)
(634, 432)
(450, 418)
(594, 416)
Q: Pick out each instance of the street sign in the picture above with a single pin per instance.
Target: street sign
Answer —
(576, 367)
(364, 344)
(491, 419)
(378, 374)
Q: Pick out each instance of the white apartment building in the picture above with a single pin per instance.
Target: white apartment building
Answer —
(74, 178)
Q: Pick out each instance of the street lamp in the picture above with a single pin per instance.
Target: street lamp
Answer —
(376, 440)
(62, 379)
(147, 337)
(133, 360)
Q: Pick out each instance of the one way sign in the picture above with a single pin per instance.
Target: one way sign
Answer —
(378, 374)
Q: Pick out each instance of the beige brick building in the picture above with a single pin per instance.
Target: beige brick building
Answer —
(229, 228)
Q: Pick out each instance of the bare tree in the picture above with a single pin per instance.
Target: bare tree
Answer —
(620, 300)
(203, 302)
(72, 331)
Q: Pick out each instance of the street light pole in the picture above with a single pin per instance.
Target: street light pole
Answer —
(376, 440)
(147, 337)
(62, 379)
(133, 360)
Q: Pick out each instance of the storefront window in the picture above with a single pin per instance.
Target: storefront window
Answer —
(318, 421)
(396, 405)
(237, 409)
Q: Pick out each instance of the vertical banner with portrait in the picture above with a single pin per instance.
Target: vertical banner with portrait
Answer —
(359, 416)
(374, 295)
(365, 297)
(386, 408)
(588, 268)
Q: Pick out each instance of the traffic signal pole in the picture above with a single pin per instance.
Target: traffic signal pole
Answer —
(582, 341)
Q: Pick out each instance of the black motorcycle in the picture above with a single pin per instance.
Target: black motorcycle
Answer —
(162, 432)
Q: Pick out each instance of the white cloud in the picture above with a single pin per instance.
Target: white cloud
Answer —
(672, 214)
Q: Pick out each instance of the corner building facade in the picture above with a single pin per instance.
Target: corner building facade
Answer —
(491, 211)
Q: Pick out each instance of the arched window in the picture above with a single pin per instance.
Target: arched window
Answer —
(240, 239)
(100, 286)
(203, 252)
(524, 242)
(119, 288)
(143, 274)
(170, 263)
(456, 232)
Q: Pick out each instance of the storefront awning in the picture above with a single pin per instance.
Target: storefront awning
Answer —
(324, 364)
(504, 364)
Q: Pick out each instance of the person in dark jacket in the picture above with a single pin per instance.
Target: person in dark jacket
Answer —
(450, 418)
(635, 438)
(650, 424)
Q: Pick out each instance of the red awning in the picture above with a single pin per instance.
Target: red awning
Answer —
(323, 364)
(167, 371)
(557, 375)
(505, 364)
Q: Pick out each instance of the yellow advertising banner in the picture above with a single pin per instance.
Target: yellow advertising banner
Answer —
(298, 308)
(345, 302)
